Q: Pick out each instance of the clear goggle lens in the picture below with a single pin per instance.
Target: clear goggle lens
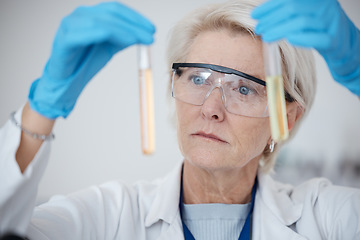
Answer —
(240, 95)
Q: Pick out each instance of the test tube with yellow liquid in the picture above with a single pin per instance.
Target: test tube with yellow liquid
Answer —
(275, 92)
(146, 101)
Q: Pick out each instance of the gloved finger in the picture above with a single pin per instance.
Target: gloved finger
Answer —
(283, 13)
(108, 27)
(110, 38)
(317, 11)
(130, 28)
(266, 8)
(119, 10)
(295, 25)
(272, 19)
(319, 41)
(119, 33)
(91, 27)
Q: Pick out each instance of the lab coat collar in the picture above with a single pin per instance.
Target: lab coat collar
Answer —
(278, 199)
(277, 195)
(166, 203)
(275, 211)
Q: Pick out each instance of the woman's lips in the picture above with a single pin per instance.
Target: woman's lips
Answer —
(209, 136)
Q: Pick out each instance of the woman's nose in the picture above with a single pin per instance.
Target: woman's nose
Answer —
(213, 107)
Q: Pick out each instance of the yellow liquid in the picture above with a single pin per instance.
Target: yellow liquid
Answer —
(277, 108)
(147, 111)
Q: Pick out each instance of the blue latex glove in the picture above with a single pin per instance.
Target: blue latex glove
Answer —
(85, 41)
(320, 24)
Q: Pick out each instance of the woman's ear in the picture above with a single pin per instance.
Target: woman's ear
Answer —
(294, 112)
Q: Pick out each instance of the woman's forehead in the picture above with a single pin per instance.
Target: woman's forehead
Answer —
(237, 51)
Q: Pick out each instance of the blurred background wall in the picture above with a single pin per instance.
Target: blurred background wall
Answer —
(100, 140)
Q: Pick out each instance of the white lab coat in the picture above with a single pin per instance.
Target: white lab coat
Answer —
(149, 210)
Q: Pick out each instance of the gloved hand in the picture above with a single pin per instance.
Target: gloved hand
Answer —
(320, 24)
(85, 41)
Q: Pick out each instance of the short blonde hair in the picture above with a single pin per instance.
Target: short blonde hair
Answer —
(298, 64)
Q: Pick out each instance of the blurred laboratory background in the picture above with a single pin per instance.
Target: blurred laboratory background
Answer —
(100, 140)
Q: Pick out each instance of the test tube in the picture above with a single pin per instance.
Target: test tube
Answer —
(275, 92)
(146, 101)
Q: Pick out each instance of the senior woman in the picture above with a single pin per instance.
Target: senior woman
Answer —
(222, 189)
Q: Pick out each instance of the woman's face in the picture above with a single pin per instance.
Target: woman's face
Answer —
(208, 135)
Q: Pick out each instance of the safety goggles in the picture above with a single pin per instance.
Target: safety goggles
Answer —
(242, 94)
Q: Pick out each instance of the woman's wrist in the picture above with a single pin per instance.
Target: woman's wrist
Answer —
(29, 145)
(35, 122)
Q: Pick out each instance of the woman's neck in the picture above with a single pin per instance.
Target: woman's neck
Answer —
(218, 186)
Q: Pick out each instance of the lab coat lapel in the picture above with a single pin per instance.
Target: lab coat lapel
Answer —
(174, 230)
(165, 206)
(274, 211)
(166, 202)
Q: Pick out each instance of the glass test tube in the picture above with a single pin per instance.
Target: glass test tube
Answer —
(146, 101)
(275, 92)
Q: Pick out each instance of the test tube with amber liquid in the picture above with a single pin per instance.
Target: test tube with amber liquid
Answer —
(275, 92)
(146, 101)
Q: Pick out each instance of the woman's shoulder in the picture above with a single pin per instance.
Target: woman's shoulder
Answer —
(141, 194)
(145, 188)
(116, 202)
(313, 190)
(321, 191)
(334, 209)
(316, 208)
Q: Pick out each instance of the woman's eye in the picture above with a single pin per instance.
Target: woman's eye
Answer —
(244, 90)
(197, 80)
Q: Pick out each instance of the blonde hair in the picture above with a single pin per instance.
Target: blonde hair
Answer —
(298, 64)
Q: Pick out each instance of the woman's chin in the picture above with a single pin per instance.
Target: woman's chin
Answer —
(212, 160)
